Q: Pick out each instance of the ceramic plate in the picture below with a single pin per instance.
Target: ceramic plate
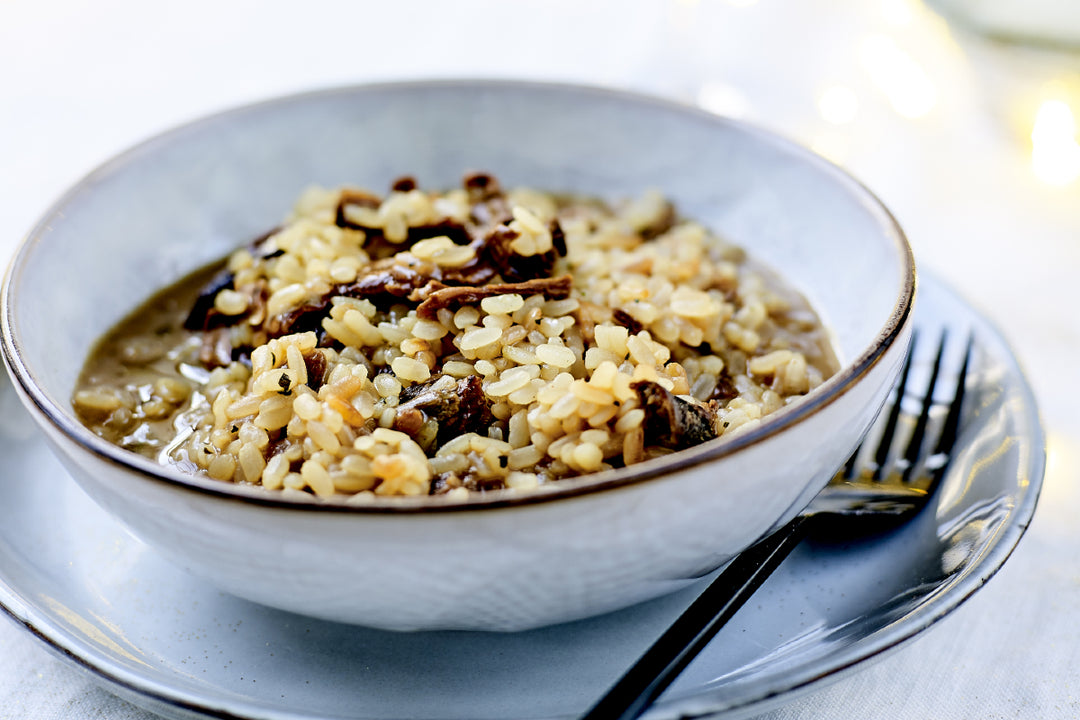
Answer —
(168, 642)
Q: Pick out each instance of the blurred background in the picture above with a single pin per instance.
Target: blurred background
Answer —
(960, 114)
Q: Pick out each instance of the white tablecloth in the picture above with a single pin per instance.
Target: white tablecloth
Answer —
(936, 126)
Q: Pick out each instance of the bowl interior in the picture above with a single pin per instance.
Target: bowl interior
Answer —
(191, 195)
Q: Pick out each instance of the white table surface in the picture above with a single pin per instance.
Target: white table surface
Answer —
(936, 131)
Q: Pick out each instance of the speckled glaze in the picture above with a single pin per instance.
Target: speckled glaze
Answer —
(500, 562)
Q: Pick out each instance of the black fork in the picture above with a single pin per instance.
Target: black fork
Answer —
(885, 482)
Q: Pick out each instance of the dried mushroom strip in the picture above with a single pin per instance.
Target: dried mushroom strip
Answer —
(389, 281)
(454, 297)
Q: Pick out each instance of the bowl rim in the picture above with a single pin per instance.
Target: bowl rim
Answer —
(63, 420)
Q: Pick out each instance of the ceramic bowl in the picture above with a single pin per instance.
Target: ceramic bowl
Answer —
(501, 561)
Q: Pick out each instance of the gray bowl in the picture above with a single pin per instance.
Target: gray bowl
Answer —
(499, 561)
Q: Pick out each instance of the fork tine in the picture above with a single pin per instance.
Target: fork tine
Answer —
(950, 428)
(888, 434)
(848, 471)
(918, 435)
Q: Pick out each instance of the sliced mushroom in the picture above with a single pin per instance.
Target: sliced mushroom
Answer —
(671, 421)
(459, 408)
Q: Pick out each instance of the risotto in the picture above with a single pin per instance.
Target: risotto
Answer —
(428, 343)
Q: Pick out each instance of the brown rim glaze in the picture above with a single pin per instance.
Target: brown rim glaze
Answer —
(64, 421)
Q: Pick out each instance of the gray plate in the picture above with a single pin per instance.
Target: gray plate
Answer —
(166, 641)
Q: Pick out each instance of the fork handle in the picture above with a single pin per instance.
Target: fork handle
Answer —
(658, 667)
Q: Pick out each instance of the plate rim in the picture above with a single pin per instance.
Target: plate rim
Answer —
(146, 691)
